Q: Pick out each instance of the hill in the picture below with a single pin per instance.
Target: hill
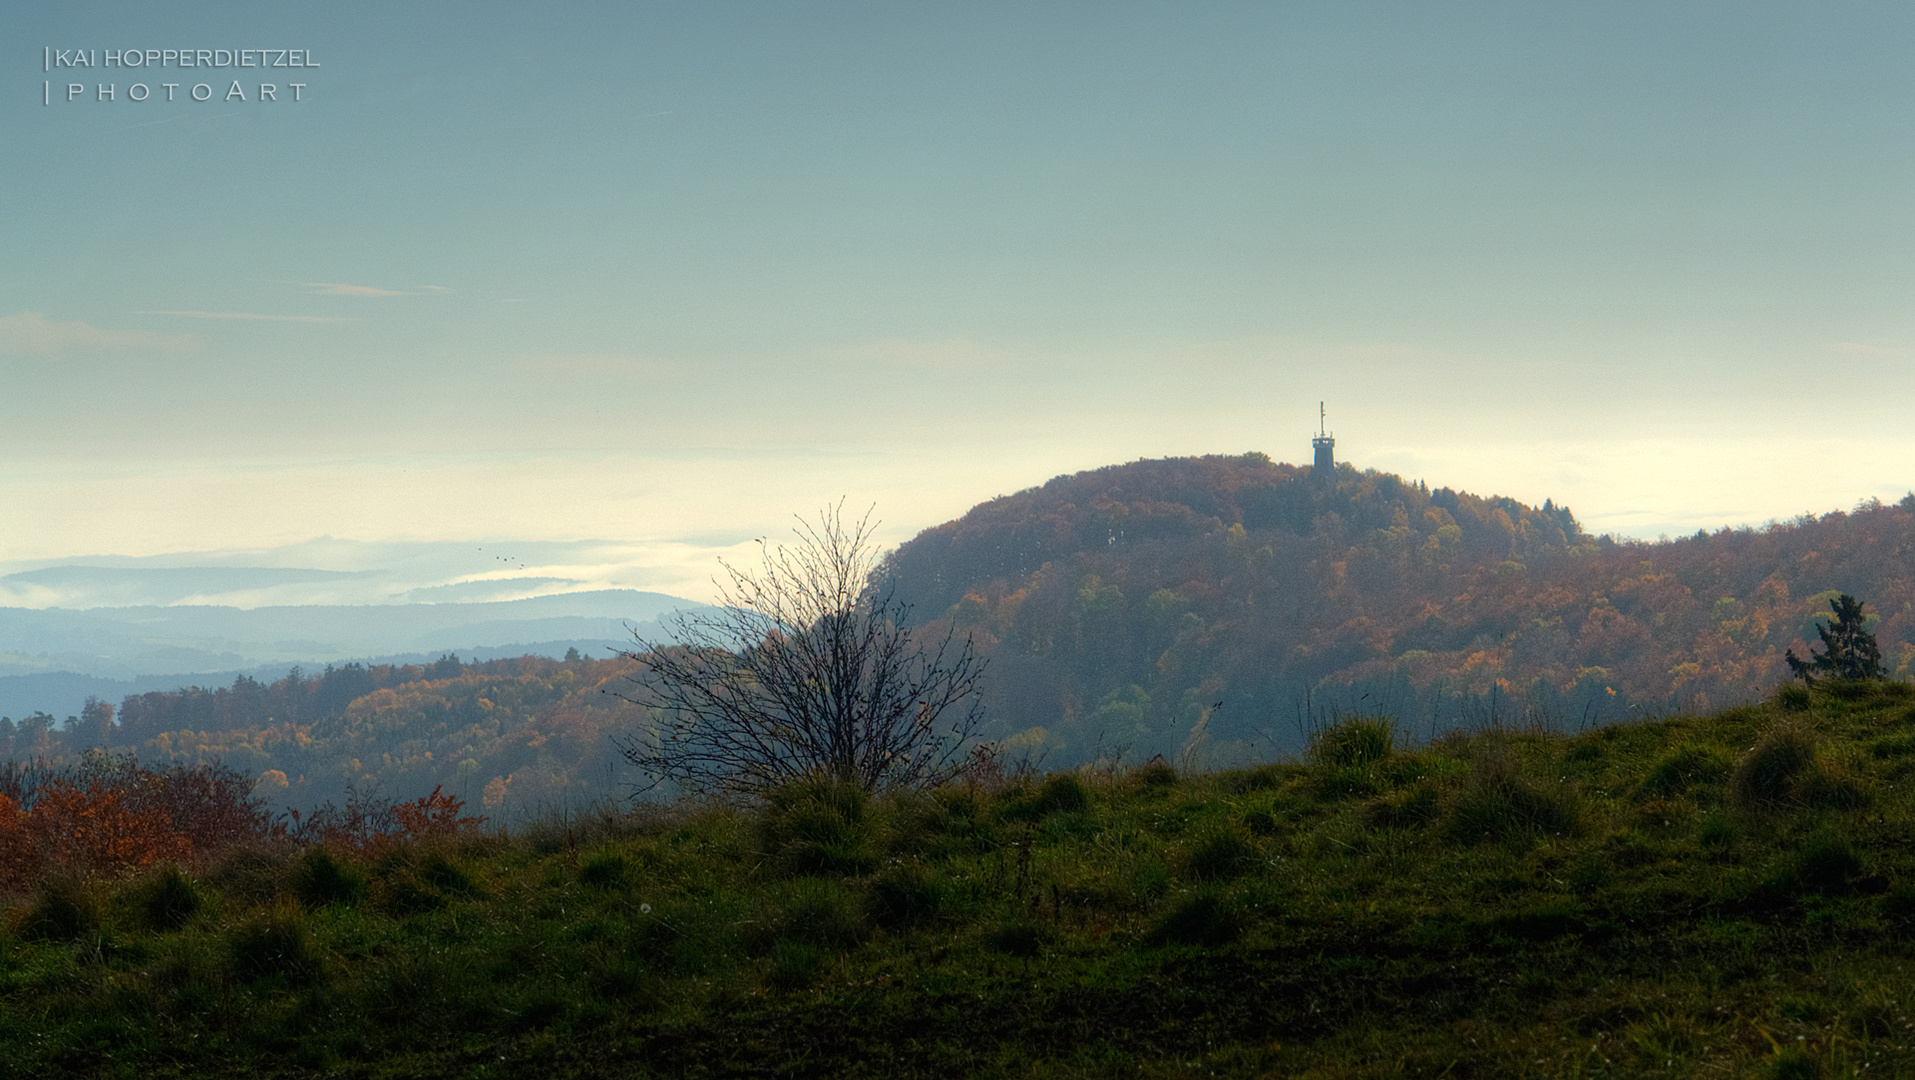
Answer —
(1730, 894)
(1119, 606)
(513, 735)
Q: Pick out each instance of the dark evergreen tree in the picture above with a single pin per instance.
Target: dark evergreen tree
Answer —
(1848, 649)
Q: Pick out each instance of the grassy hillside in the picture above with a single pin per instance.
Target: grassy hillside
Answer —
(1730, 894)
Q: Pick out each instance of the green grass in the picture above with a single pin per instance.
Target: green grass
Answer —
(1725, 895)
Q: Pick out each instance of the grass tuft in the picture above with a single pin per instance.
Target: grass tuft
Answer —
(1764, 781)
(320, 878)
(438, 870)
(819, 826)
(1156, 773)
(1826, 864)
(1205, 918)
(1501, 803)
(824, 912)
(1261, 822)
(1063, 793)
(168, 900)
(1830, 786)
(403, 894)
(1791, 1063)
(1221, 853)
(276, 943)
(1357, 741)
(62, 910)
(795, 965)
(1687, 765)
(903, 897)
(605, 870)
(1792, 698)
(1409, 808)
(1020, 938)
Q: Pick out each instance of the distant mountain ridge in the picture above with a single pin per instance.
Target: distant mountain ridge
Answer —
(108, 586)
(154, 647)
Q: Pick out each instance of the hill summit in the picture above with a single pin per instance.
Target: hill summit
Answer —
(1228, 604)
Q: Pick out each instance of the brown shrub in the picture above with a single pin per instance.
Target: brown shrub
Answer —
(370, 825)
(109, 815)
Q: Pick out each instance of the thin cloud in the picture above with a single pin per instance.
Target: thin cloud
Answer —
(1878, 350)
(248, 315)
(32, 332)
(956, 353)
(435, 288)
(595, 364)
(333, 288)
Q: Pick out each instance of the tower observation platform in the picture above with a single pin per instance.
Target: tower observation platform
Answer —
(1325, 446)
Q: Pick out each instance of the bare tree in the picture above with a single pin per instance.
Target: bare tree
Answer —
(807, 667)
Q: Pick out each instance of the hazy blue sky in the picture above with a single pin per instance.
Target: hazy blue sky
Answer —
(667, 274)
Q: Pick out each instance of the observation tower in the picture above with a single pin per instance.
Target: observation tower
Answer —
(1325, 445)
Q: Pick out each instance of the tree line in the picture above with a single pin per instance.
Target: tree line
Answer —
(509, 735)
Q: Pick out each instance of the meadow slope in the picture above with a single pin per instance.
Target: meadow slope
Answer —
(1730, 893)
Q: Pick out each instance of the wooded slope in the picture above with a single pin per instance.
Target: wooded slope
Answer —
(1119, 605)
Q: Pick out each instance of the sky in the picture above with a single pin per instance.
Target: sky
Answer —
(652, 279)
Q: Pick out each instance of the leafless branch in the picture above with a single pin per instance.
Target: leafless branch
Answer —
(806, 667)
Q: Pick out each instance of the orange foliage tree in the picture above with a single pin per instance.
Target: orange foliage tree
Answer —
(108, 814)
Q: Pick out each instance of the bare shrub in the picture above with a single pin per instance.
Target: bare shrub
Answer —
(807, 668)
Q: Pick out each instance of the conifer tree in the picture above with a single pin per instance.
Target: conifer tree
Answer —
(1848, 649)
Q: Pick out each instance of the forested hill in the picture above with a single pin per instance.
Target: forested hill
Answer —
(1118, 606)
(508, 736)
(1147, 511)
